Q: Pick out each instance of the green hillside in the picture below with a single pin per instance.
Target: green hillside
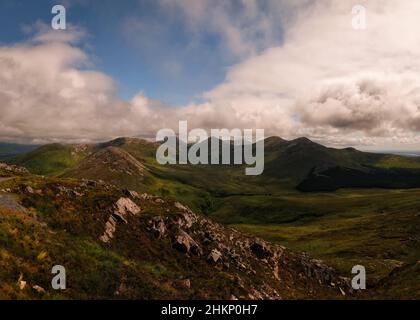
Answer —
(52, 159)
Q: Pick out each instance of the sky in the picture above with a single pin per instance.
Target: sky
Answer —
(292, 67)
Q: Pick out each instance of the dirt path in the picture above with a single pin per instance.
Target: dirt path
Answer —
(7, 201)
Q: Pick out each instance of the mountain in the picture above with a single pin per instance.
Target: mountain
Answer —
(113, 165)
(293, 160)
(288, 165)
(10, 150)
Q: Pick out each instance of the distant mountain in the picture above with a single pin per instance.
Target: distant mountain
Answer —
(287, 163)
(294, 159)
(9, 150)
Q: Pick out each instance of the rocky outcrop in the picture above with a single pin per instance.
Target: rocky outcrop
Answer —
(110, 228)
(12, 170)
(227, 249)
(123, 207)
(184, 243)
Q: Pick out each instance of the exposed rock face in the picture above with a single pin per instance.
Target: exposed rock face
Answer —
(184, 243)
(123, 207)
(227, 249)
(110, 227)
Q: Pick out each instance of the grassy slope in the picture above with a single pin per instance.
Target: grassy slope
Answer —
(65, 230)
(50, 159)
(376, 228)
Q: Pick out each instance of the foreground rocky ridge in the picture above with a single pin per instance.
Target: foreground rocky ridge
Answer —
(139, 246)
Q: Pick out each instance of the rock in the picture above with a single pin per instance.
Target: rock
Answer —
(29, 190)
(132, 194)
(159, 200)
(189, 220)
(158, 227)
(38, 289)
(13, 169)
(22, 285)
(119, 217)
(214, 256)
(182, 283)
(125, 205)
(110, 228)
(77, 194)
(260, 249)
(146, 196)
(184, 243)
(276, 272)
(181, 207)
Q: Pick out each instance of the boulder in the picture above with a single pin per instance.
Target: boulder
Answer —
(260, 249)
(158, 227)
(182, 283)
(184, 243)
(38, 289)
(130, 193)
(126, 205)
(214, 256)
(29, 190)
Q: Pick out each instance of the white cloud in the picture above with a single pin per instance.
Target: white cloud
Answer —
(344, 86)
(326, 80)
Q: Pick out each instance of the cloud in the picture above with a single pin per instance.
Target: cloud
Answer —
(343, 86)
(325, 80)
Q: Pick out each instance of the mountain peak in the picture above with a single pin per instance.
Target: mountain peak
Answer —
(302, 140)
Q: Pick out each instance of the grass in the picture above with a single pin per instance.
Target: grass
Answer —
(51, 159)
(377, 228)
